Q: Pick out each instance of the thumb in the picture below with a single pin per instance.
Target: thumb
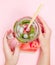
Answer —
(16, 52)
(6, 46)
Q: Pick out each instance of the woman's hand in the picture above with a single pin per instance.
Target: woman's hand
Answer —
(11, 58)
(44, 38)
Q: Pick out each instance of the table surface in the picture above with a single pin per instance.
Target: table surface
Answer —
(11, 10)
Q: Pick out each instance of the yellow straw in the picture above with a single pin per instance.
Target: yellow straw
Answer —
(36, 13)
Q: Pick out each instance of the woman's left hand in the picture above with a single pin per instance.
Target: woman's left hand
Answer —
(11, 58)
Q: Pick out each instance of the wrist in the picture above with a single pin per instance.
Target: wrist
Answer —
(45, 48)
(7, 63)
(45, 52)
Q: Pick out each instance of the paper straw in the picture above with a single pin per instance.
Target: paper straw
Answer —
(36, 13)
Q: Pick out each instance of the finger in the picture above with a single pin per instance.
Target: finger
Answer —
(40, 33)
(16, 52)
(6, 47)
(10, 34)
(41, 21)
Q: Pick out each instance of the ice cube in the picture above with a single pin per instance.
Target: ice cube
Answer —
(31, 35)
(18, 28)
(21, 30)
(25, 35)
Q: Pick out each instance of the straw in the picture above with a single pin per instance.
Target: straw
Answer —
(36, 13)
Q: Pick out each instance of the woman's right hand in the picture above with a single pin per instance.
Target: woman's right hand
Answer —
(44, 38)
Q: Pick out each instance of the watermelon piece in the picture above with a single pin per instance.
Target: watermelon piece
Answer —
(12, 41)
